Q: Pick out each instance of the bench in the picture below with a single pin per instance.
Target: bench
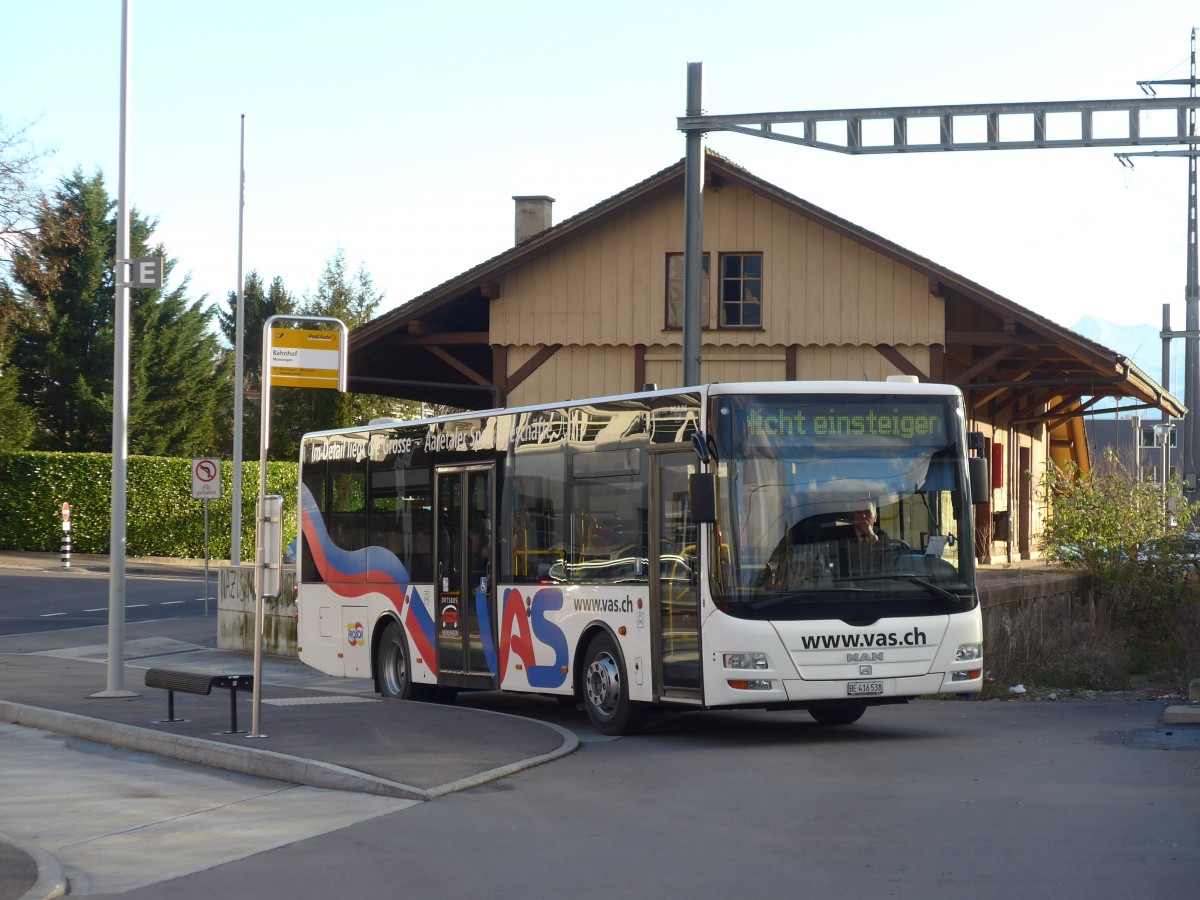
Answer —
(193, 681)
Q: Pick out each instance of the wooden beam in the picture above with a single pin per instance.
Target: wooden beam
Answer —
(997, 338)
(532, 364)
(900, 361)
(449, 338)
(986, 363)
(458, 365)
(500, 372)
(937, 363)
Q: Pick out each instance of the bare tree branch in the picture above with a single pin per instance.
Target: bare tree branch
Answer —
(19, 195)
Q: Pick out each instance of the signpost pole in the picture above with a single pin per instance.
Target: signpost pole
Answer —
(206, 485)
(305, 359)
(206, 557)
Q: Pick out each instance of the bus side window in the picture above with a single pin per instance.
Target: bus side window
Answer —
(348, 511)
(314, 479)
(608, 524)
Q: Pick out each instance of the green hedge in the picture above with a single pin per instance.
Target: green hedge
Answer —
(162, 519)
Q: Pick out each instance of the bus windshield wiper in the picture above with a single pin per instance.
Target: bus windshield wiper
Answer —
(917, 580)
(801, 596)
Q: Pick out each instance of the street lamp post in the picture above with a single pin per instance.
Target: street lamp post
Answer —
(1162, 434)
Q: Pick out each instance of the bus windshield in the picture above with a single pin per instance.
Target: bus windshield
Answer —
(829, 500)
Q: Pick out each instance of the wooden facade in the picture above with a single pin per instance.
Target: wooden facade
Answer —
(580, 310)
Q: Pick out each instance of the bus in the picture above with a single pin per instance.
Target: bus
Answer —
(669, 549)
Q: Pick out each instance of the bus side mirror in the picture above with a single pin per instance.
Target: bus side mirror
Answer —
(977, 471)
(702, 494)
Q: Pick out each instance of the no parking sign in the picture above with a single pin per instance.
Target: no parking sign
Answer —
(206, 479)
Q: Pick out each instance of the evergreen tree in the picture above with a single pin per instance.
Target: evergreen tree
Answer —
(257, 307)
(353, 300)
(63, 273)
(179, 378)
(16, 419)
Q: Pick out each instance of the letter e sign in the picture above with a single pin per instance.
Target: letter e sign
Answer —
(145, 272)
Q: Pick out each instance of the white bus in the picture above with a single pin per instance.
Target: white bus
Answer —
(691, 548)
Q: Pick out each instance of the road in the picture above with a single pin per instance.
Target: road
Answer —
(938, 799)
(46, 601)
(987, 799)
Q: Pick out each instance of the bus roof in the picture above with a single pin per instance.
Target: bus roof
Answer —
(899, 387)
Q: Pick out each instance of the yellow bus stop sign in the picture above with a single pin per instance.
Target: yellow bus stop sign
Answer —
(301, 358)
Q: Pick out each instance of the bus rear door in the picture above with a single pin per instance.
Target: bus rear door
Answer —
(464, 573)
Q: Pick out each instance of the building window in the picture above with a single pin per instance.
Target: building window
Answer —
(675, 291)
(741, 290)
(1150, 439)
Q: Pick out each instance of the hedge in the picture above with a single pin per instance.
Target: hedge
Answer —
(162, 519)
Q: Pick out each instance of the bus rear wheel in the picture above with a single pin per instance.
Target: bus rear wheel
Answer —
(393, 672)
(838, 713)
(606, 692)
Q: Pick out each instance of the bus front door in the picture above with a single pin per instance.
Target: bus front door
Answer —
(464, 572)
(675, 578)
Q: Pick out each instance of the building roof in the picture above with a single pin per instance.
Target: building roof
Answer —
(435, 347)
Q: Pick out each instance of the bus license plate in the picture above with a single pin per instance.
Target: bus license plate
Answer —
(863, 688)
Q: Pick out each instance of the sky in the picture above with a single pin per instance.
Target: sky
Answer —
(398, 132)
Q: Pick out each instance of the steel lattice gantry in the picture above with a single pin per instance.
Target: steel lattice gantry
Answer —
(915, 129)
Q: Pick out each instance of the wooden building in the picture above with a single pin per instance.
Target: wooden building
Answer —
(594, 306)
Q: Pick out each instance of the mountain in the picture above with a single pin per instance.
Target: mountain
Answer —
(1140, 343)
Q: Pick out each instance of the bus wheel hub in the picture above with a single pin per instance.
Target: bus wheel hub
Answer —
(603, 683)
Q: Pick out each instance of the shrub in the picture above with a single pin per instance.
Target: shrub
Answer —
(1132, 540)
(162, 519)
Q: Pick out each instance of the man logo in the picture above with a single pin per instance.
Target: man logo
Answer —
(864, 670)
(872, 656)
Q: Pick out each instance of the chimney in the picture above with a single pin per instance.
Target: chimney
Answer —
(533, 216)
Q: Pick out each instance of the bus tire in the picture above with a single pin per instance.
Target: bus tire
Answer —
(838, 713)
(606, 691)
(393, 671)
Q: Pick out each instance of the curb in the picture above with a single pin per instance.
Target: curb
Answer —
(1182, 714)
(51, 881)
(258, 762)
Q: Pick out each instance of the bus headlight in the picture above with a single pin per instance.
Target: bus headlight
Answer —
(968, 652)
(746, 661)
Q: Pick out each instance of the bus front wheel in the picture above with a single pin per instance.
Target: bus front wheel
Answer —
(838, 713)
(606, 692)
(392, 669)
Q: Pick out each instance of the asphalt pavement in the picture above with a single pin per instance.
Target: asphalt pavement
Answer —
(313, 730)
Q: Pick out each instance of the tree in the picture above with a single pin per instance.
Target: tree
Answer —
(63, 270)
(257, 306)
(18, 197)
(353, 300)
(16, 419)
(179, 378)
(63, 273)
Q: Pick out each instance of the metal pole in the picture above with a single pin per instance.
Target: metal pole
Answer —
(259, 562)
(1165, 381)
(693, 229)
(1191, 445)
(239, 388)
(120, 442)
(206, 557)
(1166, 441)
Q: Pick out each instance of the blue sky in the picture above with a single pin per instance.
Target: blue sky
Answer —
(399, 131)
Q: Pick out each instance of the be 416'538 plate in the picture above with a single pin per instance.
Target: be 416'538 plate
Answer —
(863, 688)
